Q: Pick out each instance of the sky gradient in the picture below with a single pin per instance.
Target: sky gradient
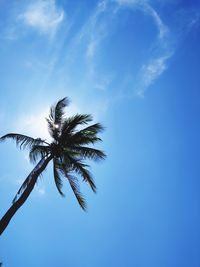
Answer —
(134, 65)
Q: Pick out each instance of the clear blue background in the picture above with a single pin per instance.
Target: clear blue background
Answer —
(135, 66)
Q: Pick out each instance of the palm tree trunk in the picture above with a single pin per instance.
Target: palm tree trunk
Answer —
(23, 197)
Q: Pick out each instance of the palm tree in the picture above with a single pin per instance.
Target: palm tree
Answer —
(68, 150)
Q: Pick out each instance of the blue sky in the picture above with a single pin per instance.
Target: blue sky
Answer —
(134, 65)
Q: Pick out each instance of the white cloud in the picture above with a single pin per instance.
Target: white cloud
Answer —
(130, 2)
(96, 30)
(194, 22)
(43, 15)
(91, 48)
(155, 64)
(41, 191)
(162, 28)
(91, 32)
(145, 6)
(150, 72)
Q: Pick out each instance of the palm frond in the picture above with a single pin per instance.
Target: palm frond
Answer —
(85, 136)
(57, 178)
(73, 181)
(68, 150)
(38, 152)
(74, 185)
(89, 153)
(56, 117)
(93, 129)
(51, 128)
(57, 111)
(23, 141)
(79, 139)
(90, 131)
(70, 124)
(80, 168)
(75, 188)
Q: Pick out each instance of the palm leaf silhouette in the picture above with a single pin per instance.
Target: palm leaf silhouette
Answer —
(68, 151)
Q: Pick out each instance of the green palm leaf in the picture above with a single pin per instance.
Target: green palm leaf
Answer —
(89, 153)
(56, 117)
(80, 168)
(57, 111)
(57, 178)
(70, 124)
(38, 152)
(74, 185)
(86, 136)
(75, 188)
(93, 129)
(73, 181)
(23, 141)
(68, 150)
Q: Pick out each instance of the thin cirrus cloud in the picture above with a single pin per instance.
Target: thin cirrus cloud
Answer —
(150, 71)
(156, 64)
(95, 31)
(43, 16)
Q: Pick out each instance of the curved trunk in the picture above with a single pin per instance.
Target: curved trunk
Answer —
(23, 197)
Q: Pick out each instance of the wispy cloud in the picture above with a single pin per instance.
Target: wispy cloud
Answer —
(96, 30)
(93, 32)
(145, 6)
(194, 21)
(162, 28)
(43, 15)
(156, 64)
(41, 191)
(150, 72)
(96, 34)
(87, 44)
